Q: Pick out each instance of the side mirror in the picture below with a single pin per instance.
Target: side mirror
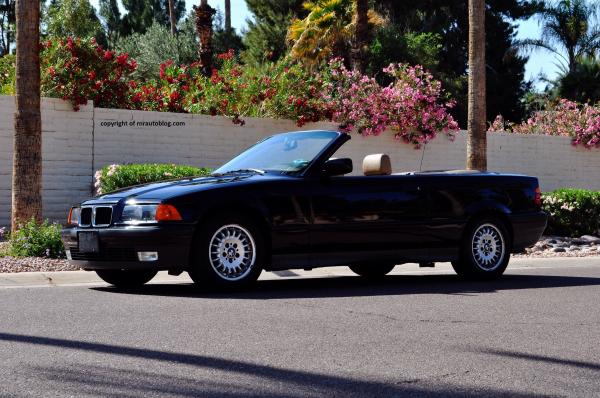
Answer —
(337, 167)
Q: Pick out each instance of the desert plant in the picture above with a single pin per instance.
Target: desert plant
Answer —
(33, 239)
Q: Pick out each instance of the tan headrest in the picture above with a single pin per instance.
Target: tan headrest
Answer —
(377, 165)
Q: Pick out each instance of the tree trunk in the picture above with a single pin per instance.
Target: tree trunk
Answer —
(227, 15)
(204, 17)
(360, 35)
(476, 118)
(27, 155)
(172, 17)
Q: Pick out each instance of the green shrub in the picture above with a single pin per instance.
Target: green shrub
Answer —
(37, 240)
(7, 74)
(573, 212)
(115, 176)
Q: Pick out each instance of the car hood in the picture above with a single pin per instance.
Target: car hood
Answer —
(168, 189)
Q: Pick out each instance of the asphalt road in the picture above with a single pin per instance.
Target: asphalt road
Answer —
(534, 332)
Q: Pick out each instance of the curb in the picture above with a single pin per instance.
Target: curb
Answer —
(81, 278)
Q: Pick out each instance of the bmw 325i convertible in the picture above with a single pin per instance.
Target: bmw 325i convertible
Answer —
(286, 203)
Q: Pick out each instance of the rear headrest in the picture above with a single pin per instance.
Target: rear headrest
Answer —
(377, 165)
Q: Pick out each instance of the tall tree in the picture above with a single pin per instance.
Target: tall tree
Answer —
(225, 39)
(141, 14)
(27, 148)
(172, 17)
(361, 35)
(568, 25)
(111, 16)
(227, 15)
(204, 29)
(7, 21)
(328, 30)
(73, 18)
(265, 39)
(476, 118)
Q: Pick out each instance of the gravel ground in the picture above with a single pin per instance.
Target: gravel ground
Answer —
(560, 246)
(548, 246)
(31, 264)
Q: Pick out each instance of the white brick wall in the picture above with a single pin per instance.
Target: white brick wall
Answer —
(77, 143)
(66, 154)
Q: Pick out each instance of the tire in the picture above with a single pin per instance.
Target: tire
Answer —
(228, 253)
(126, 278)
(372, 271)
(485, 250)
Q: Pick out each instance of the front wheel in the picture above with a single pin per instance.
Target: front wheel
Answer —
(228, 253)
(126, 278)
(372, 271)
(485, 250)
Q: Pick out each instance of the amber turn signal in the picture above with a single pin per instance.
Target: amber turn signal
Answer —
(73, 218)
(167, 213)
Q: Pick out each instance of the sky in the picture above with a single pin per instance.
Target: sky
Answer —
(539, 61)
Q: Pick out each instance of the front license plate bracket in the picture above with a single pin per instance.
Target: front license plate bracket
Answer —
(88, 242)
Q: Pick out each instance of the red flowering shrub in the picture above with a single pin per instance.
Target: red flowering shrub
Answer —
(80, 70)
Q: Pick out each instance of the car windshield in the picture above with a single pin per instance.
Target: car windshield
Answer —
(281, 153)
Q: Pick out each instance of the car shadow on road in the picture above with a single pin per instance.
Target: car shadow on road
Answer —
(351, 286)
(182, 374)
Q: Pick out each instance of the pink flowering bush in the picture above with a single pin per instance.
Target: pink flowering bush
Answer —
(412, 106)
(565, 118)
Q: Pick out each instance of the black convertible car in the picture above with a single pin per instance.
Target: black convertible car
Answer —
(287, 203)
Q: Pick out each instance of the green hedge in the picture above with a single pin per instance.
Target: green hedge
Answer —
(573, 212)
(115, 176)
(37, 240)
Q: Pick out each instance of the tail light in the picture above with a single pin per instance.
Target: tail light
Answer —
(537, 200)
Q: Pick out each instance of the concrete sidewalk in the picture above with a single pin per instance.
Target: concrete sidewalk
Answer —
(79, 278)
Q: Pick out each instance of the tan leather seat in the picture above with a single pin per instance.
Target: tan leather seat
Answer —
(377, 165)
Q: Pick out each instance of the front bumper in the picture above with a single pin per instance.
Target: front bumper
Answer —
(118, 247)
(527, 229)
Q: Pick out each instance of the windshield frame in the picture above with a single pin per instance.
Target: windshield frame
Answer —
(324, 153)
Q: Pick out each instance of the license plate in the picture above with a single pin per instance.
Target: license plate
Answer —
(88, 242)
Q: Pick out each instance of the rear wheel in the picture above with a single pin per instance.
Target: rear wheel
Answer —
(228, 253)
(126, 278)
(485, 250)
(372, 271)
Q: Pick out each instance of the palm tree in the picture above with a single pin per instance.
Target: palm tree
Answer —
(476, 121)
(361, 35)
(27, 156)
(582, 84)
(327, 31)
(567, 26)
(204, 29)
(227, 15)
(172, 17)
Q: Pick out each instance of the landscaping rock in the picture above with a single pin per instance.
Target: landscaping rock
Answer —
(559, 250)
(590, 239)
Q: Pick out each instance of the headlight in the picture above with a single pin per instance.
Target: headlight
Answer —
(74, 214)
(136, 214)
(139, 214)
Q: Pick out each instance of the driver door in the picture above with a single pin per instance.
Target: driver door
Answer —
(357, 218)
